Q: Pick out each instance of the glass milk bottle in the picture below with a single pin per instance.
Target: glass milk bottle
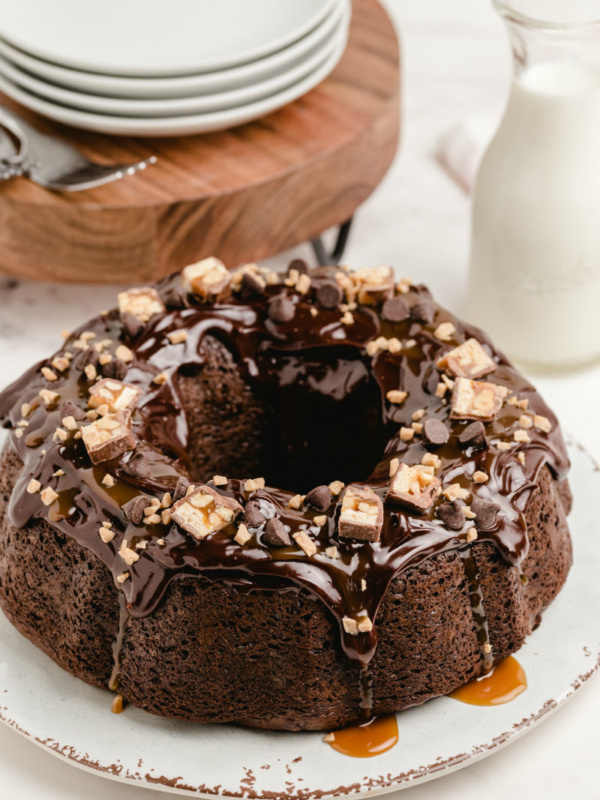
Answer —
(535, 251)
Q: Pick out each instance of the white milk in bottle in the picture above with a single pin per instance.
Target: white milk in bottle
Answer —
(535, 253)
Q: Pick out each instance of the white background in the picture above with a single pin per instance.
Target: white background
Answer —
(456, 67)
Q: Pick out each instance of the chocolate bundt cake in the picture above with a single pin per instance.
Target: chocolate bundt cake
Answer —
(145, 544)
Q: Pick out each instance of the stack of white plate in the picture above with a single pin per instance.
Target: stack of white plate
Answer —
(166, 67)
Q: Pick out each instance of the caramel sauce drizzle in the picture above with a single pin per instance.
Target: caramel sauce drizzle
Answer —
(370, 739)
(502, 684)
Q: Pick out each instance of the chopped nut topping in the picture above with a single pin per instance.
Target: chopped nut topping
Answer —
(48, 496)
(476, 399)
(521, 458)
(525, 421)
(542, 423)
(142, 303)
(468, 513)
(347, 318)
(60, 363)
(166, 516)
(394, 464)
(123, 353)
(361, 515)
(335, 487)
(117, 396)
(375, 284)
(303, 284)
(177, 337)
(108, 437)
(320, 520)
(58, 474)
(503, 445)
(204, 511)
(296, 501)
(403, 286)
(480, 477)
(471, 535)
(209, 279)
(60, 434)
(160, 379)
(468, 360)
(441, 390)
(396, 396)
(220, 480)
(350, 626)
(414, 487)
(431, 460)
(108, 481)
(106, 534)
(48, 374)
(365, 625)
(455, 492)
(417, 427)
(521, 436)
(70, 423)
(444, 331)
(33, 486)
(332, 552)
(19, 433)
(419, 414)
(243, 535)
(91, 372)
(251, 485)
(122, 578)
(406, 434)
(304, 541)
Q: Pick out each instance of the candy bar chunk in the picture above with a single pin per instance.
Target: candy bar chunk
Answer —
(413, 487)
(375, 284)
(108, 437)
(209, 279)
(361, 517)
(142, 303)
(116, 395)
(476, 399)
(204, 511)
(468, 360)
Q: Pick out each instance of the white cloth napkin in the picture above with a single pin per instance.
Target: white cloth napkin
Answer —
(461, 148)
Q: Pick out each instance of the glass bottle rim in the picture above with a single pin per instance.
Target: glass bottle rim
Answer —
(506, 8)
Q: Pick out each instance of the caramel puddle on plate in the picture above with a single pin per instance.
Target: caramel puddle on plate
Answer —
(505, 682)
(365, 741)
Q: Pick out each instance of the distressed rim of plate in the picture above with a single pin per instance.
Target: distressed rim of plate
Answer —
(370, 786)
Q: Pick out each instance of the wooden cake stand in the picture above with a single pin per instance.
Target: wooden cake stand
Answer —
(241, 194)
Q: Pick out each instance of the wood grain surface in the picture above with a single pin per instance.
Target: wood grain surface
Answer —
(241, 194)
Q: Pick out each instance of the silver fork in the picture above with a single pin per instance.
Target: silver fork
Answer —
(54, 164)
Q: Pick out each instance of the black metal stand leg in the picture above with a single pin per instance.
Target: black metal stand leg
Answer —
(323, 257)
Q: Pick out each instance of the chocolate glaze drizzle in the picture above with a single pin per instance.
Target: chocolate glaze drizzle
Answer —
(311, 357)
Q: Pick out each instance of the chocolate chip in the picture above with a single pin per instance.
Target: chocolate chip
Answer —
(276, 534)
(300, 265)
(281, 309)
(177, 299)
(473, 435)
(181, 489)
(115, 369)
(329, 295)
(132, 326)
(138, 466)
(423, 312)
(134, 509)
(452, 515)
(485, 513)
(319, 498)
(435, 432)
(69, 409)
(395, 310)
(253, 516)
(251, 287)
(89, 356)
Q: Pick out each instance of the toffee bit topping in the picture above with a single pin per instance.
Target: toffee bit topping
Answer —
(471, 535)
(48, 397)
(347, 318)
(281, 309)
(445, 331)
(473, 435)
(503, 445)
(468, 360)
(204, 511)
(431, 460)
(108, 481)
(413, 487)
(521, 458)
(394, 464)
(403, 286)
(208, 279)
(485, 513)
(319, 498)
(542, 423)
(90, 372)
(476, 399)
(115, 395)
(108, 437)
(48, 496)
(525, 421)
(121, 579)
(296, 501)
(33, 486)
(455, 492)
(480, 477)
(396, 396)
(304, 541)
(521, 436)
(320, 520)
(70, 423)
(361, 516)
(177, 337)
(332, 552)
(160, 379)
(48, 374)
(142, 303)
(276, 534)
(60, 363)
(452, 515)
(105, 532)
(406, 434)
(329, 295)
(253, 516)
(128, 555)
(335, 487)
(354, 627)
(220, 480)
(441, 390)
(395, 310)
(251, 485)
(242, 535)
(435, 432)
(375, 284)
(124, 354)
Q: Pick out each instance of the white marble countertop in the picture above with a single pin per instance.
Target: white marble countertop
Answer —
(456, 66)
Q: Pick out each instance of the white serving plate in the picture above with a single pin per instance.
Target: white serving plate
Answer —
(182, 106)
(178, 86)
(156, 38)
(180, 125)
(73, 721)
